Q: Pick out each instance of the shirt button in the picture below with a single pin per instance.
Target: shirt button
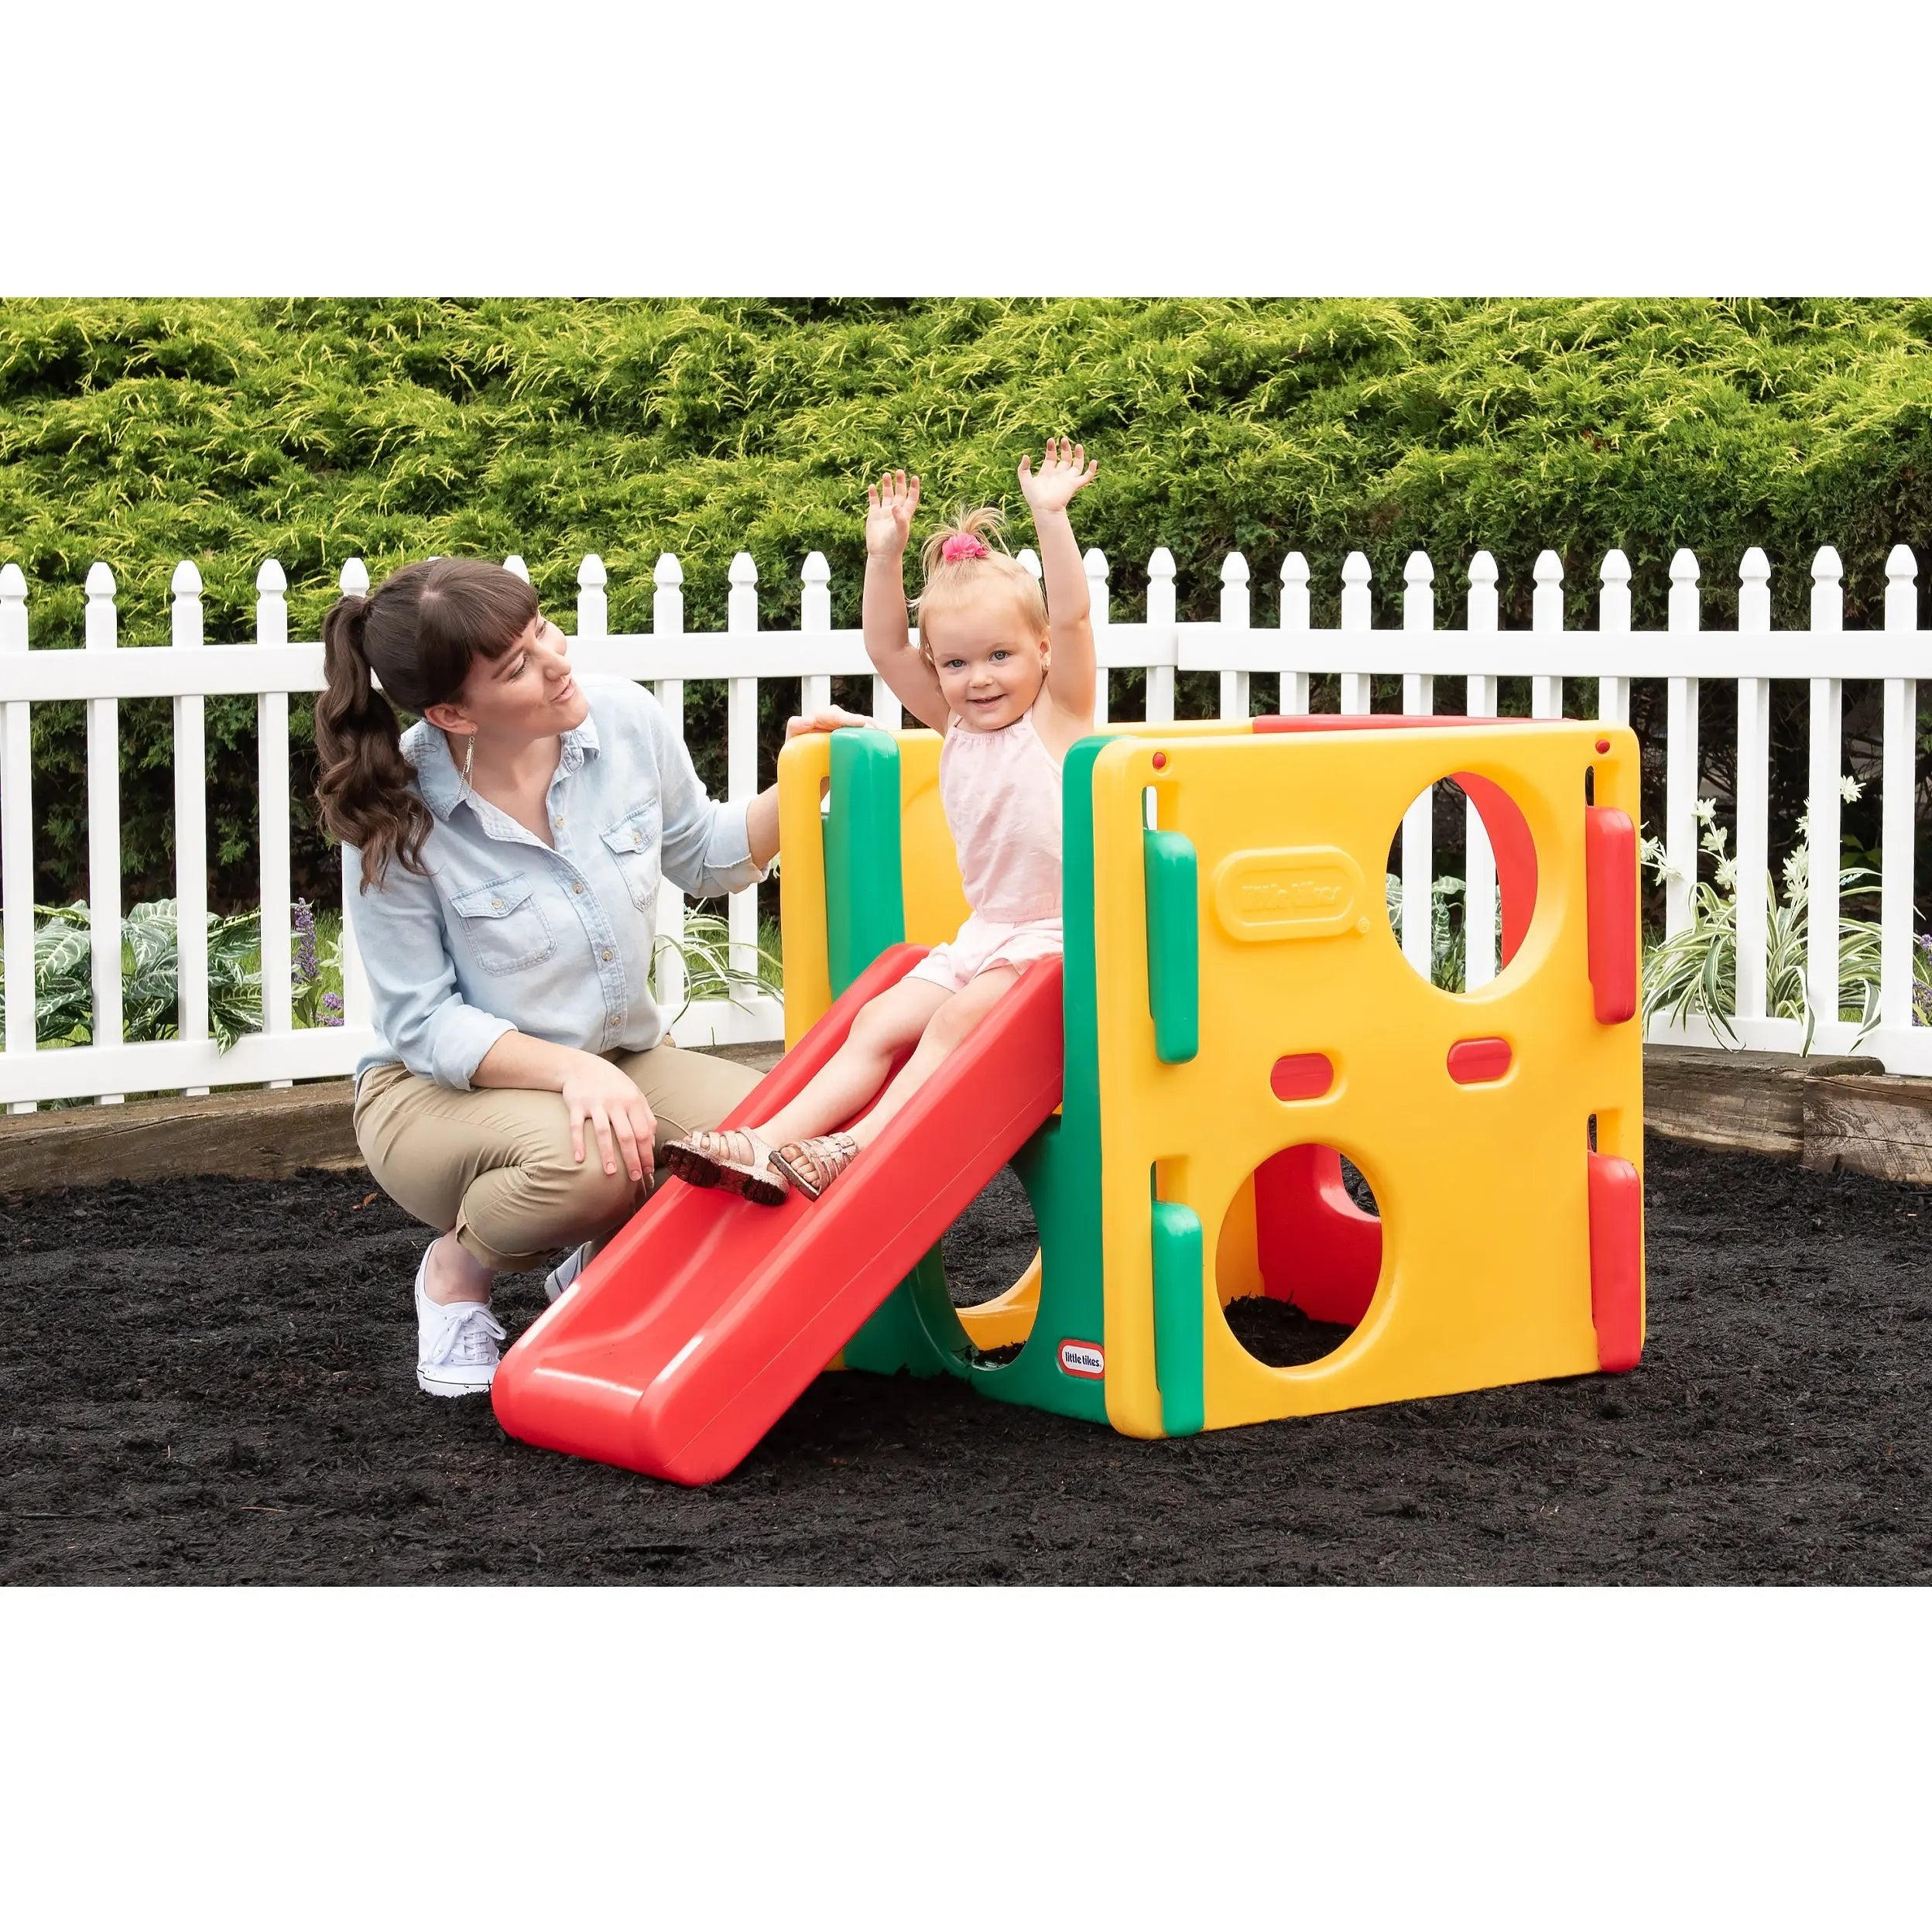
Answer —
(576, 885)
(556, 824)
(496, 905)
(607, 953)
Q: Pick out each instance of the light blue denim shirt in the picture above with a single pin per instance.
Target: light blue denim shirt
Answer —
(507, 933)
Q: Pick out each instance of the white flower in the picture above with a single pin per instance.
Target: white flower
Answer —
(1707, 809)
(1727, 874)
(1850, 791)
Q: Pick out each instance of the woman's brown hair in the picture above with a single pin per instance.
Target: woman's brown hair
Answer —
(418, 633)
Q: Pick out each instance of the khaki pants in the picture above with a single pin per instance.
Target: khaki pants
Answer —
(495, 1164)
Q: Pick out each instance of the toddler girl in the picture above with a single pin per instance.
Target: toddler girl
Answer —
(1008, 678)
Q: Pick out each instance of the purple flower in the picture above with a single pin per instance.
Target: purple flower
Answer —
(331, 1009)
(307, 968)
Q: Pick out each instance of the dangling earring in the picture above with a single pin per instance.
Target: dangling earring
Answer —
(469, 758)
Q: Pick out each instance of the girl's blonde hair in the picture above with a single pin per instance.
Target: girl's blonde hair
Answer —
(955, 580)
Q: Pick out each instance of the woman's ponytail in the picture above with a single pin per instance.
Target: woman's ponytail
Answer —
(364, 787)
(420, 632)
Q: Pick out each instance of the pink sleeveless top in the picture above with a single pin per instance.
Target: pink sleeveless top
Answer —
(1001, 790)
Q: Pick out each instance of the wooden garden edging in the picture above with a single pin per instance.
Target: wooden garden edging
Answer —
(1826, 1114)
(248, 1132)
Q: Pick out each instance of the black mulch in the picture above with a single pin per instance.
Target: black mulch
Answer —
(212, 1381)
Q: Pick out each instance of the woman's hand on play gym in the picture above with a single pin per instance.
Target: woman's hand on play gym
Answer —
(827, 717)
(889, 505)
(606, 1098)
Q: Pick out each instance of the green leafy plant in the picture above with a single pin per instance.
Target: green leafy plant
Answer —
(1448, 939)
(150, 980)
(710, 971)
(1695, 971)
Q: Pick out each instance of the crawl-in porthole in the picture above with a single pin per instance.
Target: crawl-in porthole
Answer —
(989, 1253)
(1299, 1256)
(1467, 837)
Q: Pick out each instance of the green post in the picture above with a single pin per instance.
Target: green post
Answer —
(865, 903)
(1173, 944)
(1178, 1288)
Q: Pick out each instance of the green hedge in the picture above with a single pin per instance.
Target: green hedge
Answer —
(143, 432)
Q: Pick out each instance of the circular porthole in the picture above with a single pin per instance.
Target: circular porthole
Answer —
(1461, 881)
(1299, 1256)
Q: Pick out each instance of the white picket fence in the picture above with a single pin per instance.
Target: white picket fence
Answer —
(1285, 647)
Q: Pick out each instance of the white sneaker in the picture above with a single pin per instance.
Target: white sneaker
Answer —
(564, 1274)
(456, 1351)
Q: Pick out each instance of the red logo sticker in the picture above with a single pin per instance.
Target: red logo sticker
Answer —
(1085, 1359)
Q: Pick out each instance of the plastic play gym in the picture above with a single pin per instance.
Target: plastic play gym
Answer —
(1233, 1016)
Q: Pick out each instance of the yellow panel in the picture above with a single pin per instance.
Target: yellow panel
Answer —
(804, 768)
(1006, 1318)
(935, 900)
(1483, 1190)
(1237, 1260)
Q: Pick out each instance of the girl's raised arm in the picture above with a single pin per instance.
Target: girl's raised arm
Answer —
(1063, 473)
(889, 505)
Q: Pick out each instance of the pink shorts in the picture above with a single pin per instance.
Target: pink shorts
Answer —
(985, 943)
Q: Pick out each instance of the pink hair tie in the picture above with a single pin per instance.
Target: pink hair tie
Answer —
(964, 545)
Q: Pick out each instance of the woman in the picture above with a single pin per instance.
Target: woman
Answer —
(508, 850)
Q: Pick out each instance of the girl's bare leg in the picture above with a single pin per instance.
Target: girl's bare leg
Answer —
(884, 1028)
(949, 1026)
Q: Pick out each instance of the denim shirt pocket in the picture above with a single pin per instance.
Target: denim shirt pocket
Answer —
(635, 844)
(505, 925)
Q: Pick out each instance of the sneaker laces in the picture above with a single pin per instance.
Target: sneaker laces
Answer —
(469, 1336)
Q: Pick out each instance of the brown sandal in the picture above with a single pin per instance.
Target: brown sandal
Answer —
(732, 1159)
(812, 1165)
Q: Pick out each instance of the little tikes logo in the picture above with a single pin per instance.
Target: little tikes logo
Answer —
(1085, 1359)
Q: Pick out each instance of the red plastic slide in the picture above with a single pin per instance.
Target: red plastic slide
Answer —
(705, 1319)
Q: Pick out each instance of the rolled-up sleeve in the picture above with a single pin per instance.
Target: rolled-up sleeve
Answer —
(707, 847)
(427, 1022)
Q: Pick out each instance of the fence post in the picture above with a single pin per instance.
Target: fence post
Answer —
(1294, 699)
(1418, 822)
(1545, 614)
(1613, 620)
(1752, 793)
(16, 832)
(358, 1009)
(1357, 686)
(1821, 805)
(1896, 838)
(1681, 758)
(667, 621)
(815, 620)
(593, 604)
(104, 824)
(1161, 635)
(1479, 890)
(190, 822)
(1094, 564)
(1234, 617)
(517, 567)
(271, 713)
(741, 753)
